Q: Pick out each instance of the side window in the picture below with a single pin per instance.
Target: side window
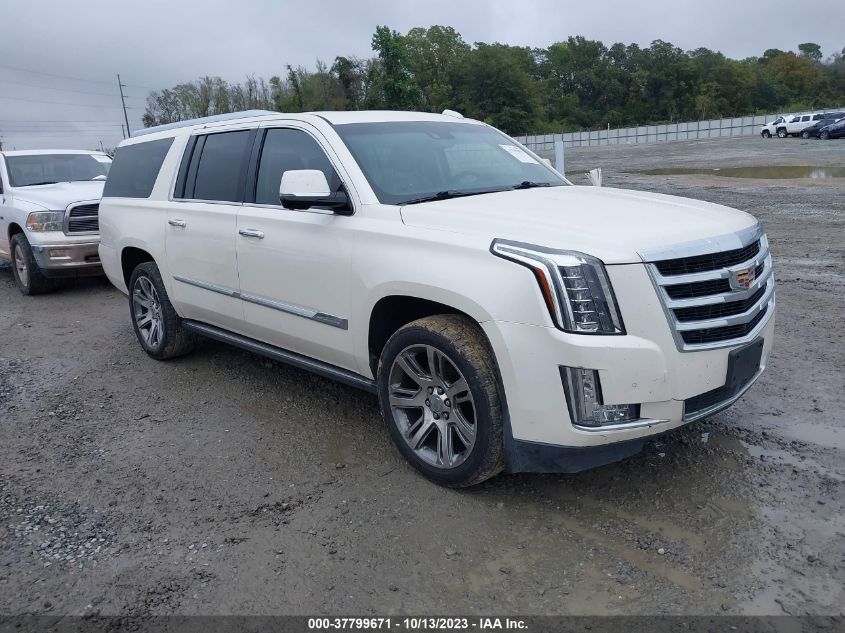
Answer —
(818, 117)
(286, 149)
(217, 167)
(135, 169)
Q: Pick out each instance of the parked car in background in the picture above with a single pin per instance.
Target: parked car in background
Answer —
(815, 128)
(791, 125)
(505, 318)
(49, 201)
(770, 129)
(835, 130)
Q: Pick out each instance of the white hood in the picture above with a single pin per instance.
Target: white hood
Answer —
(57, 197)
(611, 224)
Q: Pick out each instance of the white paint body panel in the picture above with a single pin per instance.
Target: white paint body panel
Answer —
(440, 251)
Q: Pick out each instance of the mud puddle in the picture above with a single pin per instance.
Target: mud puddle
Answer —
(770, 172)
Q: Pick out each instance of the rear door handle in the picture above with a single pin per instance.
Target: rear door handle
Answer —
(179, 223)
(252, 233)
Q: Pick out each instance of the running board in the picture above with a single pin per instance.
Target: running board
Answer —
(284, 356)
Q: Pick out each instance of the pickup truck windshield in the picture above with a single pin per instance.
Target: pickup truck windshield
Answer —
(41, 169)
(415, 161)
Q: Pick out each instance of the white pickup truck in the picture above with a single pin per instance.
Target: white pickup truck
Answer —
(49, 201)
(506, 319)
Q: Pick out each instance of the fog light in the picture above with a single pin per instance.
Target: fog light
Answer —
(58, 253)
(584, 398)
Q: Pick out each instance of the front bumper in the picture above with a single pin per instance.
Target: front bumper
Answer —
(68, 260)
(642, 367)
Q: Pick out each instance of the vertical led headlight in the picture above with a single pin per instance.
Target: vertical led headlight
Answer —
(574, 286)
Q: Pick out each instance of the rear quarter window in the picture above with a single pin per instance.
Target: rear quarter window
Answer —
(135, 169)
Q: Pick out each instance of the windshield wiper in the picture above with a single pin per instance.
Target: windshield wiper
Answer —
(530, 184)
(445, 195)
(45, 182)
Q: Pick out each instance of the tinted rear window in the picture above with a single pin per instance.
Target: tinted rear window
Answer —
(135, 169)
(219, 169)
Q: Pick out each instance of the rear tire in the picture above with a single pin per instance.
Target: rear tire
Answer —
(159, 329)
(29, 278)
(440, 400)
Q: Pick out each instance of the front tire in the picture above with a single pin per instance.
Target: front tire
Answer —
(440, 400)
(782, 133)
(825, 136)
(805, 135)
(29, 278)
(159, 329)
(766, 134)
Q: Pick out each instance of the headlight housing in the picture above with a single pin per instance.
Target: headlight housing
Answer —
(574, 286)
(45, 221)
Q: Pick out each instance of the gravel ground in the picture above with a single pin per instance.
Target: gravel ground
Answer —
(223, 483)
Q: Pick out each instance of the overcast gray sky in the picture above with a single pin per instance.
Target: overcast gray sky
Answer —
(157, 43)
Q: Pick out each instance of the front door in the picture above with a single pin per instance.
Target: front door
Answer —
(202, 228)
(295, 266)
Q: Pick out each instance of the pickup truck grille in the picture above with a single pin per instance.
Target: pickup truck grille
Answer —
(717, 299)
(83, 218)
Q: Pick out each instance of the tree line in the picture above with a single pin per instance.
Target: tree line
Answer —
(570, 85)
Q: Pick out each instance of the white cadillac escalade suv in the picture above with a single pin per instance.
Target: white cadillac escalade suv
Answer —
(506, 319)
(48, 215)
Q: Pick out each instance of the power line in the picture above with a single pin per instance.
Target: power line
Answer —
(90, 81)
(84, 92)
(53, 120)
(84, 105)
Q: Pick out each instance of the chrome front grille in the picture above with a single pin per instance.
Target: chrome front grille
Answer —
(716, 299)
(83, 218)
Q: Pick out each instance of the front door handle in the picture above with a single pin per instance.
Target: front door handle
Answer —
(252, 233)
(180, 223)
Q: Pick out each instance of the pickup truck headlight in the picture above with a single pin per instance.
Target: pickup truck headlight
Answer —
(45, 220)
(574, 286)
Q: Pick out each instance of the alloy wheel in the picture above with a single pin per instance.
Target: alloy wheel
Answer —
(432, 406)
(146, 309)
(21, 266)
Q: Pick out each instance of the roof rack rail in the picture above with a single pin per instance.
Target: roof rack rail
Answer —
(229, 116)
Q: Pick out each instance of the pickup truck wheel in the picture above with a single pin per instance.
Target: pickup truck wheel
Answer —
(440, 400)
(158, 328)
(28, 276)
(767, 134)
(782, 133)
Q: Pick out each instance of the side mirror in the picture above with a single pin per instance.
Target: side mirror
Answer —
(305, 188)
(594, 176)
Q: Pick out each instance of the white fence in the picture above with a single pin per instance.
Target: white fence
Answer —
(736, 126)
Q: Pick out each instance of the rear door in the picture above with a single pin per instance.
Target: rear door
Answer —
(295, 266)
(202, 226)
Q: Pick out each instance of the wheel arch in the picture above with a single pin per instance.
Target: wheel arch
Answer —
(392, 311)
(14, 229)
(130, 258)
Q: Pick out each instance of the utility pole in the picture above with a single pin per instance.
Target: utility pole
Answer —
(123, 101)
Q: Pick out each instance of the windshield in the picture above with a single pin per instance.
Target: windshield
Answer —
(39, 169)
(411, 161)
